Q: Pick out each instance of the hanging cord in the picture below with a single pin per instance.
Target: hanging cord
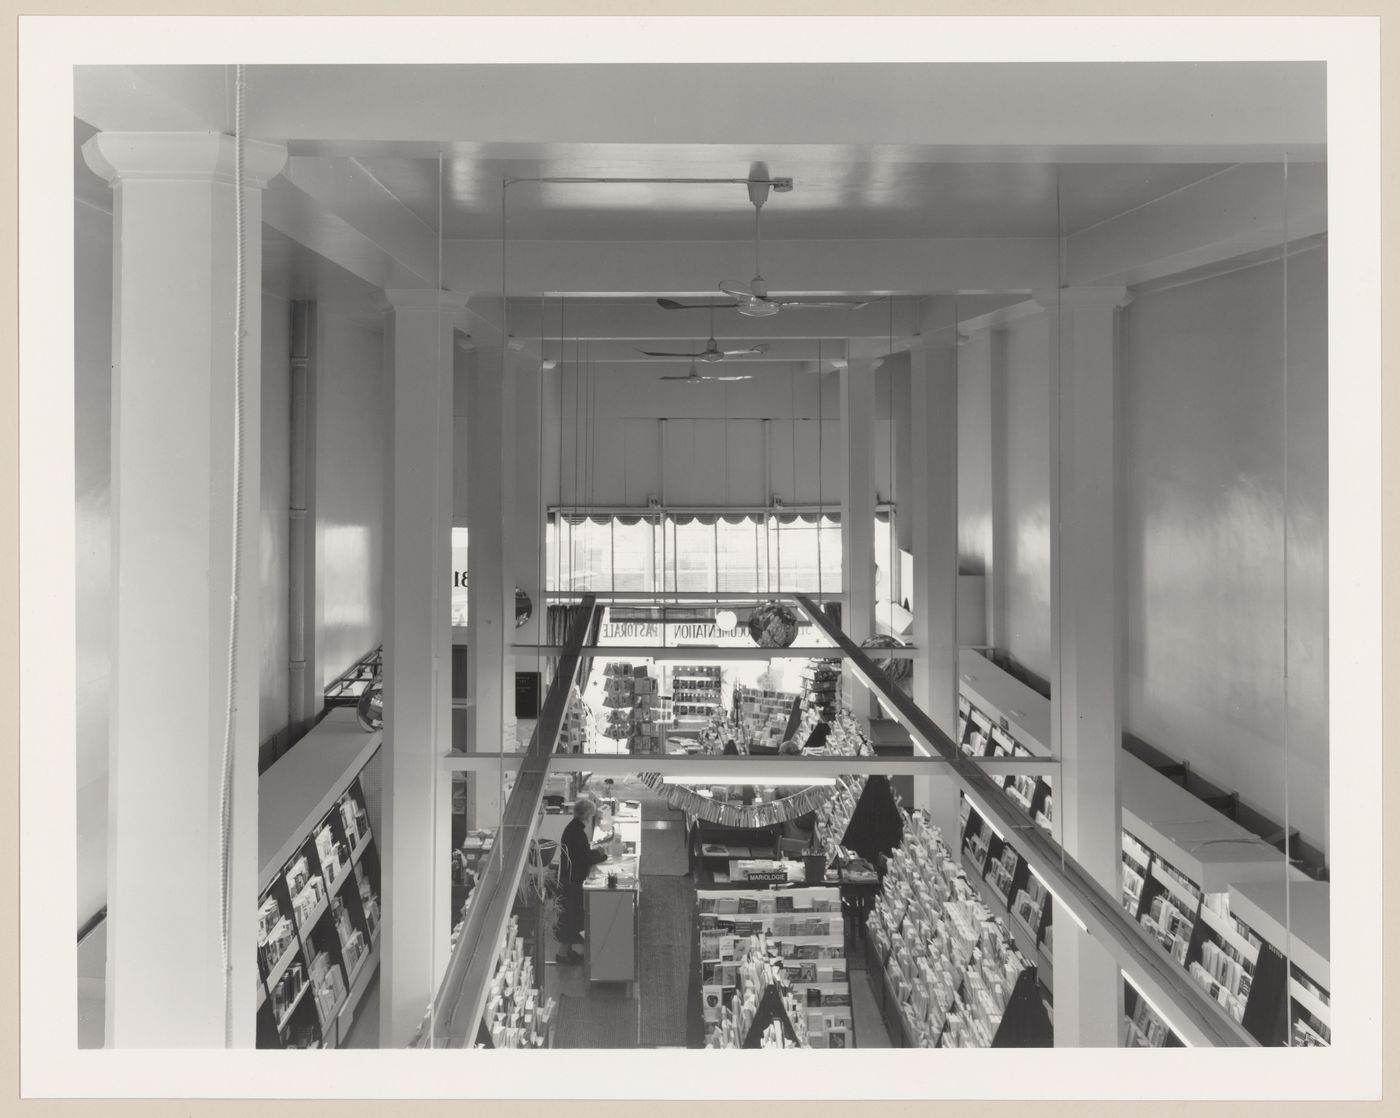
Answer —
(891, 572)
(821, 500)
(1287, 814)
(231, 703)
(439, 579)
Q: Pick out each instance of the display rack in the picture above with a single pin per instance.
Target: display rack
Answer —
(695, 694)
(950, 975)
(821, 682)
(764, 713)
(1010, 889)
(514, 1016)
(318, 902)
(1142, 1027)
(799, 934)
(984, 734)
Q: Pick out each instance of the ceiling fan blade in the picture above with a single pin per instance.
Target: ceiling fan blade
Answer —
(660, 353)
(841, 304)
(735, 291)
(686, 377)
(752, 351)
(673, 305)
(744, 376)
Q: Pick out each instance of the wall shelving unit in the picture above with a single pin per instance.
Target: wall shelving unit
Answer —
(1183, 864)
(318, 888)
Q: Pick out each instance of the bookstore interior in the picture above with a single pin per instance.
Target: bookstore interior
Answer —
(650, 656)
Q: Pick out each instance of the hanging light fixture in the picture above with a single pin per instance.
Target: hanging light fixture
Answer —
(726, 619)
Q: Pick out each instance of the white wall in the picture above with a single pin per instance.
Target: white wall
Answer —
(1203, 528)
(605, 427)
(974, 456)
(273, 571)
(1025, 575)
(92, 406)
(1202, 523)
(349, 489)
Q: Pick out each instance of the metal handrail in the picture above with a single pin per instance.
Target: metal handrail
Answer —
(1194, 1016)
(461, 998)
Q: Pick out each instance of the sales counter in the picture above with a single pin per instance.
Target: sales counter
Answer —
(612, 894)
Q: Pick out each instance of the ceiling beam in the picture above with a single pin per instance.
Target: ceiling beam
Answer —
(694, 269)
(1235, 213)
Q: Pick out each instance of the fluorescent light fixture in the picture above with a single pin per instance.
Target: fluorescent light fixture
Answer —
(1153, 1006)
(730, 778)
(726, 618)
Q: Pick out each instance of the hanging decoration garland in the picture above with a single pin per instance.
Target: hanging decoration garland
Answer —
(773, 625)
(738, 815)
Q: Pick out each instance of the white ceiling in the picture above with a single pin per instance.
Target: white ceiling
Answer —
(909, 178)
(830, 199)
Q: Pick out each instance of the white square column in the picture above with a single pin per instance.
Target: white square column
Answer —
(1086, 699)
(482, 376)
(858, 511)
(183, 524)
(933, 509)
(418, 339)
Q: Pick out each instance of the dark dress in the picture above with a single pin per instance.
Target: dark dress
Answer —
(577, 858)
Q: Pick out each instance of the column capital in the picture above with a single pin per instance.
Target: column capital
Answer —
(181, 156)
(1113, 296)
(420, 299)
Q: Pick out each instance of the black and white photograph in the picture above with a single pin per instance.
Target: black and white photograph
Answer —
(707, 537)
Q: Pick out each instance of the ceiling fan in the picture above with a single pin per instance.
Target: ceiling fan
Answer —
(754, 301)
(711, 354)
(695, 376)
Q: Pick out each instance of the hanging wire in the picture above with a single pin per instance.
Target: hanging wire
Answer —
(891, 571)
(226, 767)
(1287, 797)
(821, 500)
(1057, 552)
(439, 579)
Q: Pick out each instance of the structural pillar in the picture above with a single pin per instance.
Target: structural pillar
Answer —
(858, 511)
(902, 432)
(176, 501)
(418, 338)
(933, 510)
(482, 376)
(1086, 714)
(305, 695)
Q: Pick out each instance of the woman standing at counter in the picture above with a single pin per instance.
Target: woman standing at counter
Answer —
(578, 857)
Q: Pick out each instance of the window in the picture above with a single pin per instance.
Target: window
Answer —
(683, 553)
(738, 553)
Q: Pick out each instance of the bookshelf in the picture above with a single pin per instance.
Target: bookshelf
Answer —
(792, 939)
(318, 890)
(1182, 862)
(1297, 925)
